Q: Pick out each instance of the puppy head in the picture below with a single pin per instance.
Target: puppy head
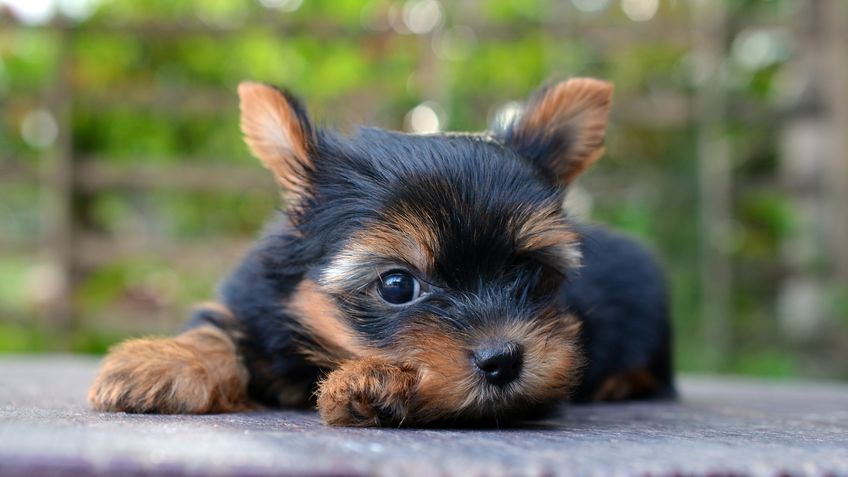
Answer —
(444, 251)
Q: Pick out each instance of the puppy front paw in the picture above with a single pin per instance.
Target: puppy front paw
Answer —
(195, 373)
(368, 392)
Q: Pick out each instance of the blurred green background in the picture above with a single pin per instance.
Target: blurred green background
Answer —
(127, 193)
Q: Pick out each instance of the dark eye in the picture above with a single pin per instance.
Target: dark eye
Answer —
(398, 287)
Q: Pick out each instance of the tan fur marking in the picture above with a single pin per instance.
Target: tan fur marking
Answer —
(274, 134)
(197, 372)
(628, 385)
(450, 386)
(428, 375)
(403, 240)
(416, 241)
(579, 106)
(446, 377)
(548, 229)
(316, 312)
(367, 392)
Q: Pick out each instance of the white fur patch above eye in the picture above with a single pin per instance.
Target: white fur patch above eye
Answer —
(369, 252)
(346, 267)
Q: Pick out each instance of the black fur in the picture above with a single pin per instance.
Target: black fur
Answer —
(469, 187)
(620, 297)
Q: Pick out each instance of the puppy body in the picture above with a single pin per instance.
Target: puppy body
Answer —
(420, 279)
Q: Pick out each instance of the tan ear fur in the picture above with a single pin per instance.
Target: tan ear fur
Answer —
(277, 133)
(564, 125)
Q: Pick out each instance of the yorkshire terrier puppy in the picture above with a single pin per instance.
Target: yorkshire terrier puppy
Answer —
(416, 280)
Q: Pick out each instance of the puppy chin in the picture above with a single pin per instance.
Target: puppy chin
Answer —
(494, 402)
(471, 399)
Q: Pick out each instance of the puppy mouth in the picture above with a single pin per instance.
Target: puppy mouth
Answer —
(489, 399)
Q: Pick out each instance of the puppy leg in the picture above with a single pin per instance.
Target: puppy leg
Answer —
(199, 371)
(367, 392)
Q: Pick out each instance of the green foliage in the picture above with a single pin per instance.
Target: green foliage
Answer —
(19, 338)
(154, 86)
(13, 292)
(764, 362)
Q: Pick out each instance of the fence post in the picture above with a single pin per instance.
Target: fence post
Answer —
(814, 169)
(836, 81)
(714, 179)
(57, 194)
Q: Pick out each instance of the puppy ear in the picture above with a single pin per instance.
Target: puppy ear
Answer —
(278, 133)
(563, 126)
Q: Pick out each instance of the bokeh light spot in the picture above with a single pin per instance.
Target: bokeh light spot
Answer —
(39, 129)
(422, 16)
(424, 118)
(640, 10)
(755, 49)
(31, 12)
(456, 44)
(282, 5)
(590, 6)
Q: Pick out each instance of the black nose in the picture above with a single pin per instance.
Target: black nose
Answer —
(499, 363)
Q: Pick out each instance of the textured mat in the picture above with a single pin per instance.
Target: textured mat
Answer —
(720, 426)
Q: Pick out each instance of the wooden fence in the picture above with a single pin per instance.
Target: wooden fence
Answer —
(822, 53)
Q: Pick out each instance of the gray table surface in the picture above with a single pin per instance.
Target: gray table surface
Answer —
(720, 426)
